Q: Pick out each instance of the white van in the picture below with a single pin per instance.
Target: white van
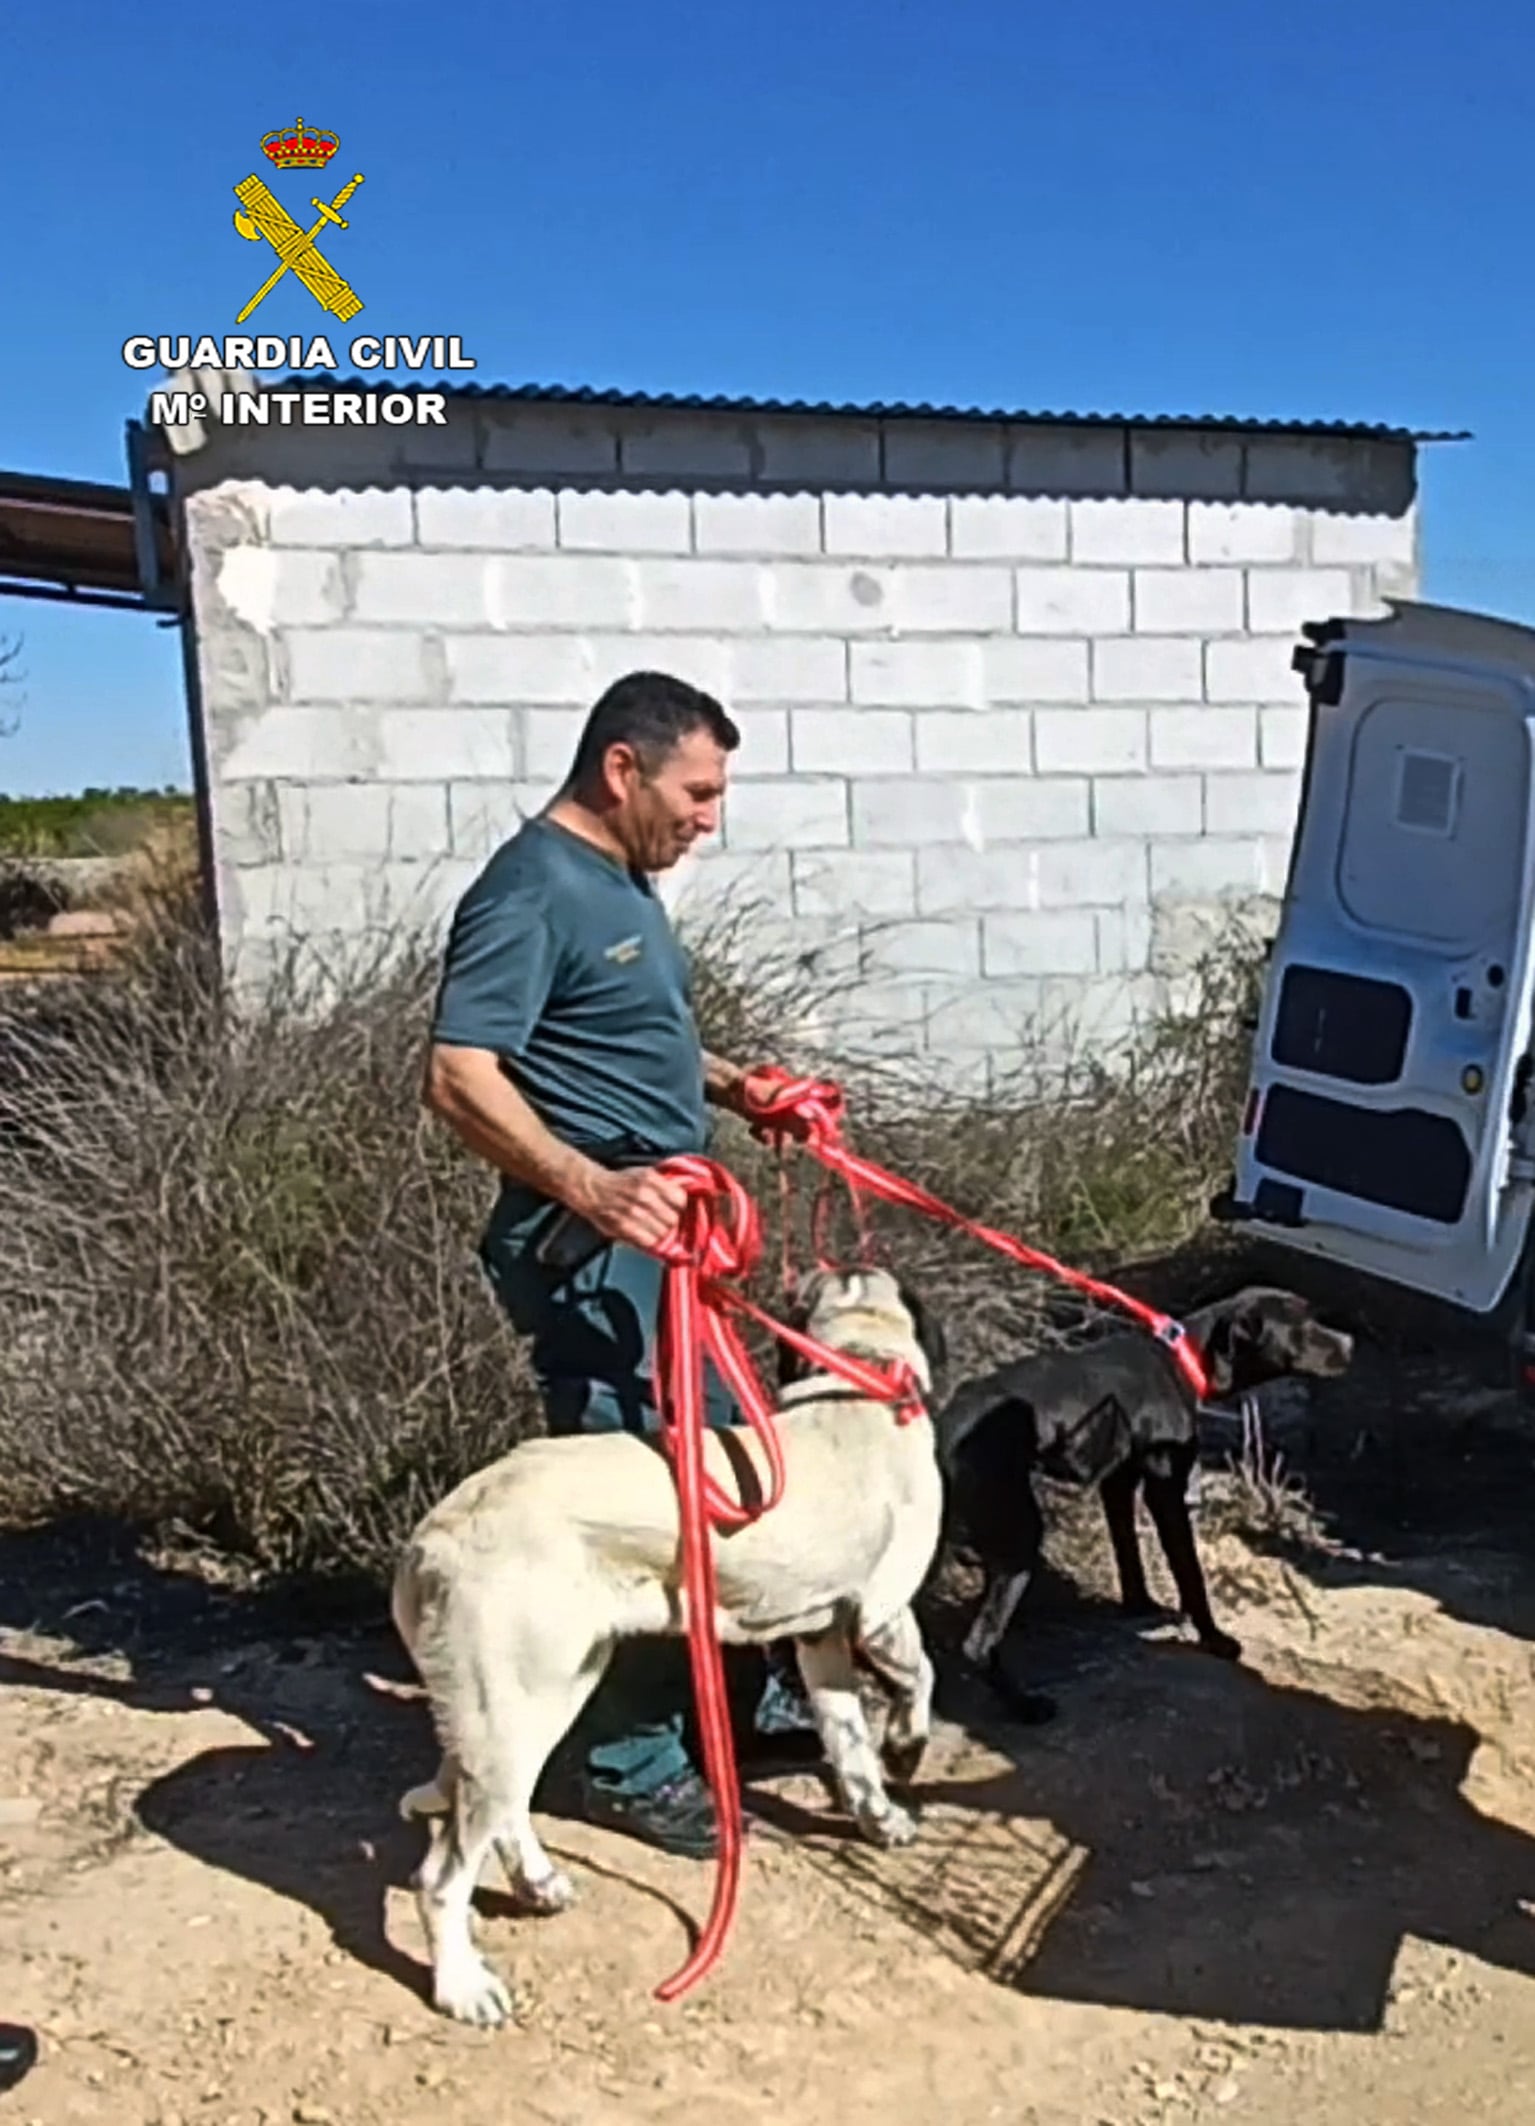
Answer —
(1390, 1124)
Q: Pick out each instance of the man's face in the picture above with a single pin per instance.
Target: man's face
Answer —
(659, 817)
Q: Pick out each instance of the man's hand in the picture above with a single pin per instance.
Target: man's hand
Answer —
(738, 1086)
(638, 1206)
(742, 1088)
(757, 1083)
(761, 1084)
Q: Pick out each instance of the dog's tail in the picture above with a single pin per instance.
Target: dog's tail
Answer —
(405, 1600)
(411, 1605)
(427, 1800)
(442, 1627)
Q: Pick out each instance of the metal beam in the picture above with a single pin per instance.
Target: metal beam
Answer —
(158, 592)
(80, 542)
(70, 594)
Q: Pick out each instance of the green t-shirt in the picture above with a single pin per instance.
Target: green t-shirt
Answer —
(564, 963)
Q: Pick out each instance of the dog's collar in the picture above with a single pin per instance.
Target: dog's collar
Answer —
(821, 1388)
(825, 1386)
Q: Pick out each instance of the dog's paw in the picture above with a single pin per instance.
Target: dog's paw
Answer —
(1222, 1645)
(554, 1892)
(889, 1826)
(473, 1995)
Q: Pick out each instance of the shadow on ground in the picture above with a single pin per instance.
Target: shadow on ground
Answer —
(1191, 1839)
(1188, 1838)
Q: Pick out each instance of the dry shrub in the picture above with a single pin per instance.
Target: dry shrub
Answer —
(239, 1295)
(1258, 1497)
(159, 874)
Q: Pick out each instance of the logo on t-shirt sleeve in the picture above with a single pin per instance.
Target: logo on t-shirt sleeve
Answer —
(626, 951)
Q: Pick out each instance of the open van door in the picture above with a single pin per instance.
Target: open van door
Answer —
(1389, 1122)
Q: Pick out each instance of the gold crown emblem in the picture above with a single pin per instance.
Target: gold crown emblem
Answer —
(299, 147)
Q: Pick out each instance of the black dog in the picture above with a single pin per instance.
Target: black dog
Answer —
(1117, 1413)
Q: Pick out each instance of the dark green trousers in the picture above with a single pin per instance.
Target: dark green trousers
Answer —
(592, 1336)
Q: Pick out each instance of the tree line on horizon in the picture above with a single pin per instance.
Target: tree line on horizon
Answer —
(90, 822)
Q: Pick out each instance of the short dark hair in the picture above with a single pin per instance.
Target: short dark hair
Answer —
(653, 712)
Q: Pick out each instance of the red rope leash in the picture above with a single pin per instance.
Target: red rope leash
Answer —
(680, 1364)
(716, 1245)
(718, 1240)
(812, 1111)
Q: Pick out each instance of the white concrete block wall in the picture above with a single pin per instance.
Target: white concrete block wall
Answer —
(1003, 740)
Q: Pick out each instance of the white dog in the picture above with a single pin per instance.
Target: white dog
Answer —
(514, 1590)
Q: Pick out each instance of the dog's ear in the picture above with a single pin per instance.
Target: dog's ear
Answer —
(1219, 1350)
(1267, 1334)
(927, 1330)
(792, 1365)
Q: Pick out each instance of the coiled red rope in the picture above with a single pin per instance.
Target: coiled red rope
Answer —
(716, 1245)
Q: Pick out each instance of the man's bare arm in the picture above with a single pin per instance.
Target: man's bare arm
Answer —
(469, 1090)
(723, 1082)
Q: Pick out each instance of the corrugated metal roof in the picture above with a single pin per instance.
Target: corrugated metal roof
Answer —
(697, 402)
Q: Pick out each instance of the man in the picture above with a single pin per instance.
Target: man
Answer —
(565, 1052)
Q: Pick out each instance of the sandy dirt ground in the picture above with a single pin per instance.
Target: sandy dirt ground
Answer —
(1299, 1887)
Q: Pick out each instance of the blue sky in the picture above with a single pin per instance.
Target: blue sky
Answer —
(1303, 208)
